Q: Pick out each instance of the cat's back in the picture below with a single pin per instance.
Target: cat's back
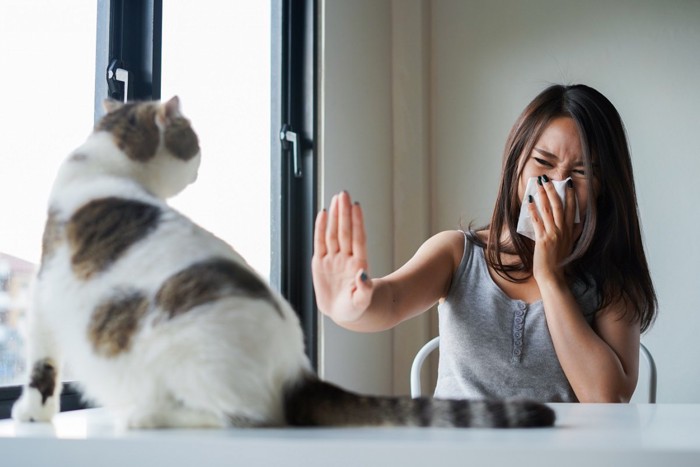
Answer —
(107, 240)
(108, 234)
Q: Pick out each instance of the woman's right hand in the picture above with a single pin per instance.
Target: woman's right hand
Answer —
(339, 265)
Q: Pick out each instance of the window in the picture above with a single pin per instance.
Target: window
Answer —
(218, 62)
(47, 93)
(252, 59)
(294, 178)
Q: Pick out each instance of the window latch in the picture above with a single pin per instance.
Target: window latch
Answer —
(115, 75)
(288, 137)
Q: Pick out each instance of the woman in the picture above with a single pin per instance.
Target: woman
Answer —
(554, 319)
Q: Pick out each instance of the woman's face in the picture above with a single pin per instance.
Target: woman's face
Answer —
(558, 155)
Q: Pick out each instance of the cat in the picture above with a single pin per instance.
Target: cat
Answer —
(166, 325)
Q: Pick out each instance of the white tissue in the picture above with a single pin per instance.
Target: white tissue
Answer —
(524, 221)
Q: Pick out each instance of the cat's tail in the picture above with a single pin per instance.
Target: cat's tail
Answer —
(313, 402)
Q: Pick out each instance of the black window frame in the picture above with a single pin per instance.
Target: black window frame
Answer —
(129, 36)
(294, 198)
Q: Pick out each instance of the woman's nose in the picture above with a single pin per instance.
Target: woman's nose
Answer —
(559, 174)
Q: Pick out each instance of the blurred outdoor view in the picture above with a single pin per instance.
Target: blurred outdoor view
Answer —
(215, 58)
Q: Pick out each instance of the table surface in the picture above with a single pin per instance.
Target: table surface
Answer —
(585, 435)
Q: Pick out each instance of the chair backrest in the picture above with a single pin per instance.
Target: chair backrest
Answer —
(652, 372)
(434, 343)
(416, 389)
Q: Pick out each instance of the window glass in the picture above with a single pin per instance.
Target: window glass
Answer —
(216, 58)
(47, 49)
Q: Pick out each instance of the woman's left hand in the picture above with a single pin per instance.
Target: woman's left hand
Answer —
(554, 231)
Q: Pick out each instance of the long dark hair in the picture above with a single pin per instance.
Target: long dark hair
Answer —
(609, 254)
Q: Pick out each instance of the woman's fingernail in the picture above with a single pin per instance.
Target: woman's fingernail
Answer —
(363, 276)
(545, 179)
(570, 183)
(357, 203)
(539, 181)
(530, 199)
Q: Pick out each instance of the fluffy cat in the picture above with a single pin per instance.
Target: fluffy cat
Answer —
(165, 324)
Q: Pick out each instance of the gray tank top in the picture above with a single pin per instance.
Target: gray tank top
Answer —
(492, 346)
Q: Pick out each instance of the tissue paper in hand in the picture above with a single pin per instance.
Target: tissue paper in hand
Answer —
(524, 221)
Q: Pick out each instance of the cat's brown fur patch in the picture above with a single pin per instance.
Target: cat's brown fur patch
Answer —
(102, 230)
(208, 281)
(180, 139)
(115, 321)
(133, 127)
(43, 378)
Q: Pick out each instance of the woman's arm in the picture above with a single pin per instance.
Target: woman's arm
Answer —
(346, 293)
(601, 363)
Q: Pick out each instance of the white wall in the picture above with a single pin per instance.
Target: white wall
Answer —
(485, 62)
(355, 147)
(374, 142)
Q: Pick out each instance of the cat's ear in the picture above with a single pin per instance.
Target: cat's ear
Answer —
(172, 107)
(111, 105)
(168, 111)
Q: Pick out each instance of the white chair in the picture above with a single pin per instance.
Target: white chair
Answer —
(434, 343)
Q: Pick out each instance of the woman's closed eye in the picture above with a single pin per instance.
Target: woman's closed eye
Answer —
(543, 162)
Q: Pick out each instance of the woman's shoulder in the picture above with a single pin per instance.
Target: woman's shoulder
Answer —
(449, 239)
(450, 236)
(454, 243)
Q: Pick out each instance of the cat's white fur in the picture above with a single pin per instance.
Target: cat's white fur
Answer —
(232, 365)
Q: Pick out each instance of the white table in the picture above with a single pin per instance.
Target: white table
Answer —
(587, 435)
